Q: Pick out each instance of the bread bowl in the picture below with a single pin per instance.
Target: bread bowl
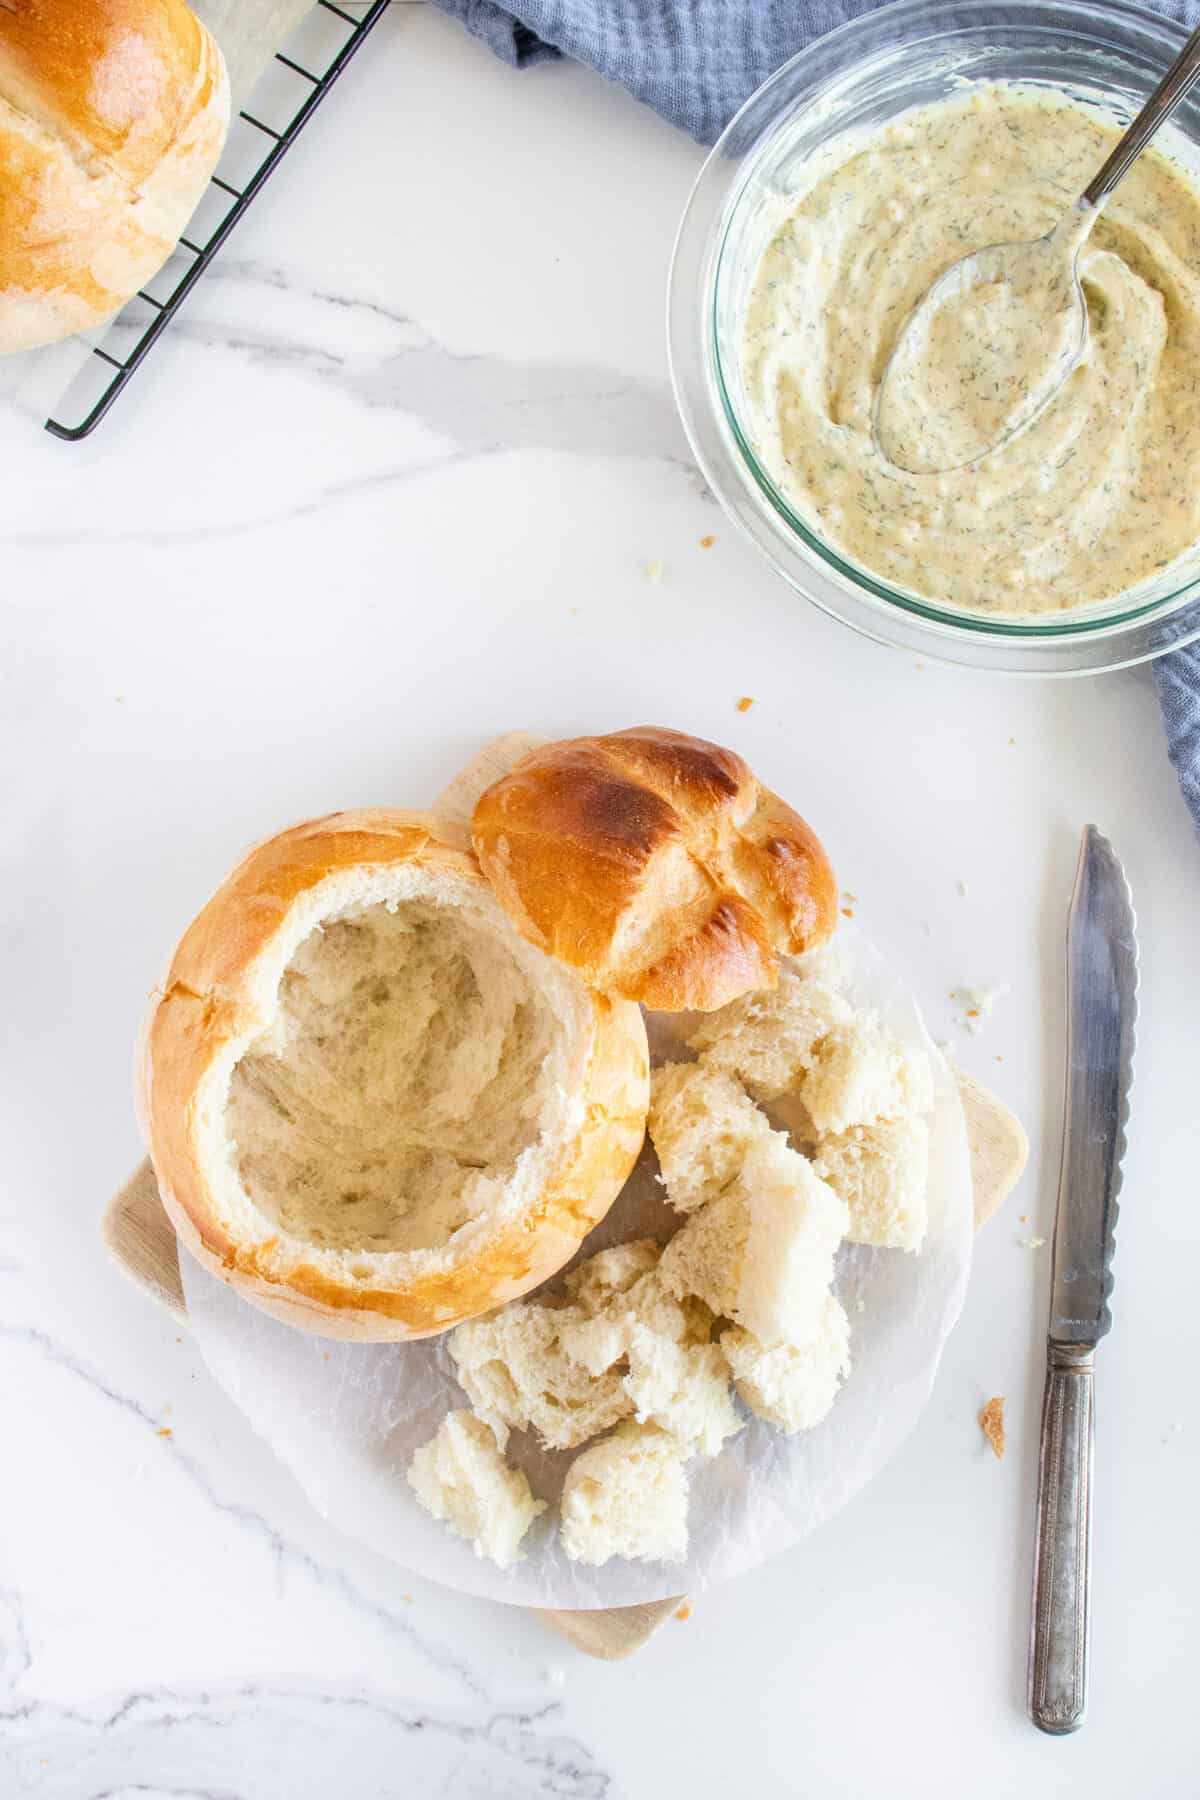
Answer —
(112, 117)
(372, 1107)
(656, 864)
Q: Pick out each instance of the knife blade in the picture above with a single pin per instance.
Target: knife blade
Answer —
(1101, 1021)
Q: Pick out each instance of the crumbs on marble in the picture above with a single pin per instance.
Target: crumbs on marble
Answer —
(164, 1431)
(745, 703)
(655, 573)
(991, 1423)
(1031, 1243)
(706, 543)
(978, 1004)
(684, 1612)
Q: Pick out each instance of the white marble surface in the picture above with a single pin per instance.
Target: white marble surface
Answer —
(388, 489)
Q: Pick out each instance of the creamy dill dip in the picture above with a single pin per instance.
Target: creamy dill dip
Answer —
(1102, 491)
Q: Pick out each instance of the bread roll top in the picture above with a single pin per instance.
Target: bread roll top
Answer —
(656, 864)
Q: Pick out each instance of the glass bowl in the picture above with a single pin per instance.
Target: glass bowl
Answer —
(1103, 53)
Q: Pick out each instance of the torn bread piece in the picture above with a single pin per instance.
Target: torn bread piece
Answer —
(882, 1173)
(791, 1386)
(684, 1388)
(462, 1479)
(768, 1039)
(862, 1073)
(604, 1338)
(516, 1374)
(762, 1253)
(593, 1284)
(701, 1124)
(627, 1496)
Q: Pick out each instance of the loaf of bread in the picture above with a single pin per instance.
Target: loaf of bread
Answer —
(372, 1107)
(112, 117)
(655, 864)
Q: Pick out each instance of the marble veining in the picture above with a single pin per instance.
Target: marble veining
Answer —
(285, 1552)
(207, 1743)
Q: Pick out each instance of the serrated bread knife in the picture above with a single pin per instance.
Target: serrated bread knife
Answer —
(1101, 1010)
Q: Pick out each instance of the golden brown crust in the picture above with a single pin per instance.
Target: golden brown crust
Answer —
(206, 1003)
(656, 864)
(112, 117)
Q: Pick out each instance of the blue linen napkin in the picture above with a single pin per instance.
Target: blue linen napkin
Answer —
(695, 62)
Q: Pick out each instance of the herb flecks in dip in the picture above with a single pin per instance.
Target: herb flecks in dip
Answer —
(1099, 493)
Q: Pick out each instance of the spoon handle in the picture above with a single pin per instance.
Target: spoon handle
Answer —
(1162, 103)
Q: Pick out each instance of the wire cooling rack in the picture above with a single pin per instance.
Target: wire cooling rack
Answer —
(288, 95)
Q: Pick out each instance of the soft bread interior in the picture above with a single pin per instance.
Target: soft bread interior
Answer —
(411, 1083)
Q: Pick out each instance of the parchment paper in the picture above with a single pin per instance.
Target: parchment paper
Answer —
(249, 33)
(346, 1418)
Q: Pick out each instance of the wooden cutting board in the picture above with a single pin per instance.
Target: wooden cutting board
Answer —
(141, 1239)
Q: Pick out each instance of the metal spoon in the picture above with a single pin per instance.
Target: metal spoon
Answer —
(940, 405)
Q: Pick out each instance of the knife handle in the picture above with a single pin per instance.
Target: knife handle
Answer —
(1058, 1648)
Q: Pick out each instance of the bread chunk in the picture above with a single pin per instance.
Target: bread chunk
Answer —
(862, 1073)
(762, 1254)
(461, 1478)
(791, 1386)
(768, 1039)
(627, 1496)
(701, 1125)
(882, 1173)
(682, 1387)
(516, 1373)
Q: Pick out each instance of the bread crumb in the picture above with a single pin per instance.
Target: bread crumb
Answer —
(991, 1423)
(962, 888)
(1031, 1243)
(1012, 740)
(706, 543)
(745, 703)
(683, 1612)
(407, 1597)
(574, 611)
(978, 1003)
(847, 912)
(1023, 1219)
(165, 1432)
(655, 573)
